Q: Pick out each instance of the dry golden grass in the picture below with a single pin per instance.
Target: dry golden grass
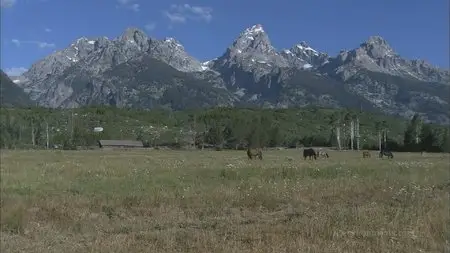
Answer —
(209, 201)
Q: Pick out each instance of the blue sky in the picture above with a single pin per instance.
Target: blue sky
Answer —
(32, 29)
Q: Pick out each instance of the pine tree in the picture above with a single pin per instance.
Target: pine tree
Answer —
(445, 143)
(427, 138)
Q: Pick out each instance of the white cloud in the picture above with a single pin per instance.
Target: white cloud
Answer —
(15, 71)
(44, 44)
(7, 3)
(48, 30)
(129, 4)
(15, 42)
(150, 26)
(40, 44)
(175, 17)
(135, 7)
(181, 13)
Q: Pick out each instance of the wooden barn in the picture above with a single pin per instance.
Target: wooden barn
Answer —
(120, 144)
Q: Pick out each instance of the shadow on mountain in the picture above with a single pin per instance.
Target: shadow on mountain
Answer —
(144, 83)
(325, 91)
(12, 95)
(420, 96)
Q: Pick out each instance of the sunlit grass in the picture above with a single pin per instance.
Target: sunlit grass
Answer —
(209, 201)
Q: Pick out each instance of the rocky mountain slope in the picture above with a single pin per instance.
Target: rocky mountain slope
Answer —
(11, 94)
(134, 70)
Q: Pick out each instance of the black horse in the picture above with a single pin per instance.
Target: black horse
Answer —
(386, 153)
(309, 152)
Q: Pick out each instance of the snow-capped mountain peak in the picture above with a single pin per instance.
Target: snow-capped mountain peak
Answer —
(303, 46)
(174, 42)
(304, 56)
(253, 30)
(377, 47)
(253, 38)
(136, 70)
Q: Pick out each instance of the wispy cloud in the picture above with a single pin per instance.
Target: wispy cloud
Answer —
(7, 3)
(135, 7)
(48, 30)
(150, 26)
(181, 13)
(175, 17)
(15, 42)
(44, 44)
(129, 4)
(40, 44)
(15, 71)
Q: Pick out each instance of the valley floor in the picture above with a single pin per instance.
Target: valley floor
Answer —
(219, 201)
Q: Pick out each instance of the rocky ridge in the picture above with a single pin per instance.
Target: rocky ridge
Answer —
(251, 72)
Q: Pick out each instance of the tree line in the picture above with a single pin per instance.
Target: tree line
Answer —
(224, 128)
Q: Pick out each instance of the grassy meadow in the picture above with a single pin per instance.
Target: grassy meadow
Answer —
(219, 201)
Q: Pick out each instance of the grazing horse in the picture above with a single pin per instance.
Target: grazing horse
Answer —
(366, 154)
(254, 153)
(386, 153)
(309, 152)
(323, 154)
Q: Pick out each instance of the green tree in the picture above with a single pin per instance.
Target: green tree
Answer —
(274, 135)
(236, 126)
(240, 129)
(216, 125)
(445, 142)
(427, 138)
(5, 134)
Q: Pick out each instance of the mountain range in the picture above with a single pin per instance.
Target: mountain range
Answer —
(137, 71)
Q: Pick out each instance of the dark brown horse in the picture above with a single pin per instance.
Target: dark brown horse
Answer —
(257, 152)
(310, 153)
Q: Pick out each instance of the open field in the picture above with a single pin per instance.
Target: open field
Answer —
(209, 201)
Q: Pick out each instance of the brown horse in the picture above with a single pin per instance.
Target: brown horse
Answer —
(257, 152)
(366, 154)
(322, 153)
